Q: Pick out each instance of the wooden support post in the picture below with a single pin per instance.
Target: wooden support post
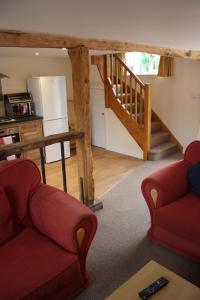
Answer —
(80, 75)
(147, 120)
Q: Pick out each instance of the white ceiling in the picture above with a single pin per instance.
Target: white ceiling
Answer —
(172, 23)
(43, 52)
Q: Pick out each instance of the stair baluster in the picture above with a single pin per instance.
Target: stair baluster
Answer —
(121, 83)
(136, 100)
(117, 72)
(131, 96)
(125, 89)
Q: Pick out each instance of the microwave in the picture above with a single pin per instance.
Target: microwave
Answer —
(19, 105)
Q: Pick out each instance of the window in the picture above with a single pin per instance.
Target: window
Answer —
(142, 63)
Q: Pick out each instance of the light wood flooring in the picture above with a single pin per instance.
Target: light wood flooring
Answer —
(109, 168)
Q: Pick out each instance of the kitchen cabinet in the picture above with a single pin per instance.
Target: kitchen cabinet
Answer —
(28, 129)
(27, 132)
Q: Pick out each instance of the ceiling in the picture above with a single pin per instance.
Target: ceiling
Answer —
(43, 52)
(172, 23)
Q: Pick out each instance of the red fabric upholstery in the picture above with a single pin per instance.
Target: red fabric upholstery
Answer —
(174, 218)
(192, 153)
(19, 178)
(6, 218)
(49, 203)
(29, 261)
(68, 214)
(43, 262)
(170, 182)
(180, 227)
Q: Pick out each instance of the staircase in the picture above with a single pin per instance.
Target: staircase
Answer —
(130, 99)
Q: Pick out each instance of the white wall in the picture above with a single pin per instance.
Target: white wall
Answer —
(176, 100)
(118, 138)
(19, 69)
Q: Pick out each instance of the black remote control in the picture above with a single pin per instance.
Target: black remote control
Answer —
(153, 288)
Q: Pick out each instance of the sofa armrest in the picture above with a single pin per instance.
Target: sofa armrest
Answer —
(166, 185)
(63, 218)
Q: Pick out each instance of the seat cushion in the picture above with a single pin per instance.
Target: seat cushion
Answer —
(6, 218)
(181, 217)
(30, 262)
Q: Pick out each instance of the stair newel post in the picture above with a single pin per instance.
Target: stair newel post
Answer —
(147, 120)
(106, 80)
(111, 68)
(116, 78)
(121, 84)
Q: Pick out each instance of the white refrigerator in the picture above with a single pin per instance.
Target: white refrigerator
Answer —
(50, 98)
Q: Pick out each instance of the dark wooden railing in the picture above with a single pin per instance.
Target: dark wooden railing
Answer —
(40, 143)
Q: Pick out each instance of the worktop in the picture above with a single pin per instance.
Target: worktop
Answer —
(21, 119)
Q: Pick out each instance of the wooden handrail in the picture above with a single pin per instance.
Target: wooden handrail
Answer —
(15, 148)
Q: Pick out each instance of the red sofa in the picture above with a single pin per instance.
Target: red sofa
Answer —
(174, 207)
(45, 235)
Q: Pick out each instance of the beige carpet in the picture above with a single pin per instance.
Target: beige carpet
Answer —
(121, 247)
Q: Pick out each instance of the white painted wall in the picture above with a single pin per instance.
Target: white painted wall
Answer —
(19, 69)
(118, 138)
(176, 100)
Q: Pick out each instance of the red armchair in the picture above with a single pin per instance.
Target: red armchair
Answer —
(45, 235)
(174, 207)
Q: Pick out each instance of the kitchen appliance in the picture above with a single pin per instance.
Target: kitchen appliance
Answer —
(19, 105)
(50, 98)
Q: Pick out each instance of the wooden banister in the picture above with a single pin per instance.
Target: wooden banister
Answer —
(15, 148)
(135, 98)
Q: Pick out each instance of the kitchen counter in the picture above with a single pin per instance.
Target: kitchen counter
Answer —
(19, 120)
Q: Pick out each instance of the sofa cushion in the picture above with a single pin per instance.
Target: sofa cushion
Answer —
(181, 217)
(193, 177)
(30, 261)
(6, 218)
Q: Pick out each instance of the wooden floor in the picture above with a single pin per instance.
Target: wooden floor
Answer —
(109, 168)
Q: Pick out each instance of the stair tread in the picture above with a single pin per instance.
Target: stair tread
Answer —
(159, 133)
(162, 147)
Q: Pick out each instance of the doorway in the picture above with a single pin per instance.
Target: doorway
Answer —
(98, 116)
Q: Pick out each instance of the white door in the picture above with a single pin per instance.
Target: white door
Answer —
(98, 117)
(53, 152)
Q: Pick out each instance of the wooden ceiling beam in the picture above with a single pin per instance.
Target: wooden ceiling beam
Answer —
(13, 38)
